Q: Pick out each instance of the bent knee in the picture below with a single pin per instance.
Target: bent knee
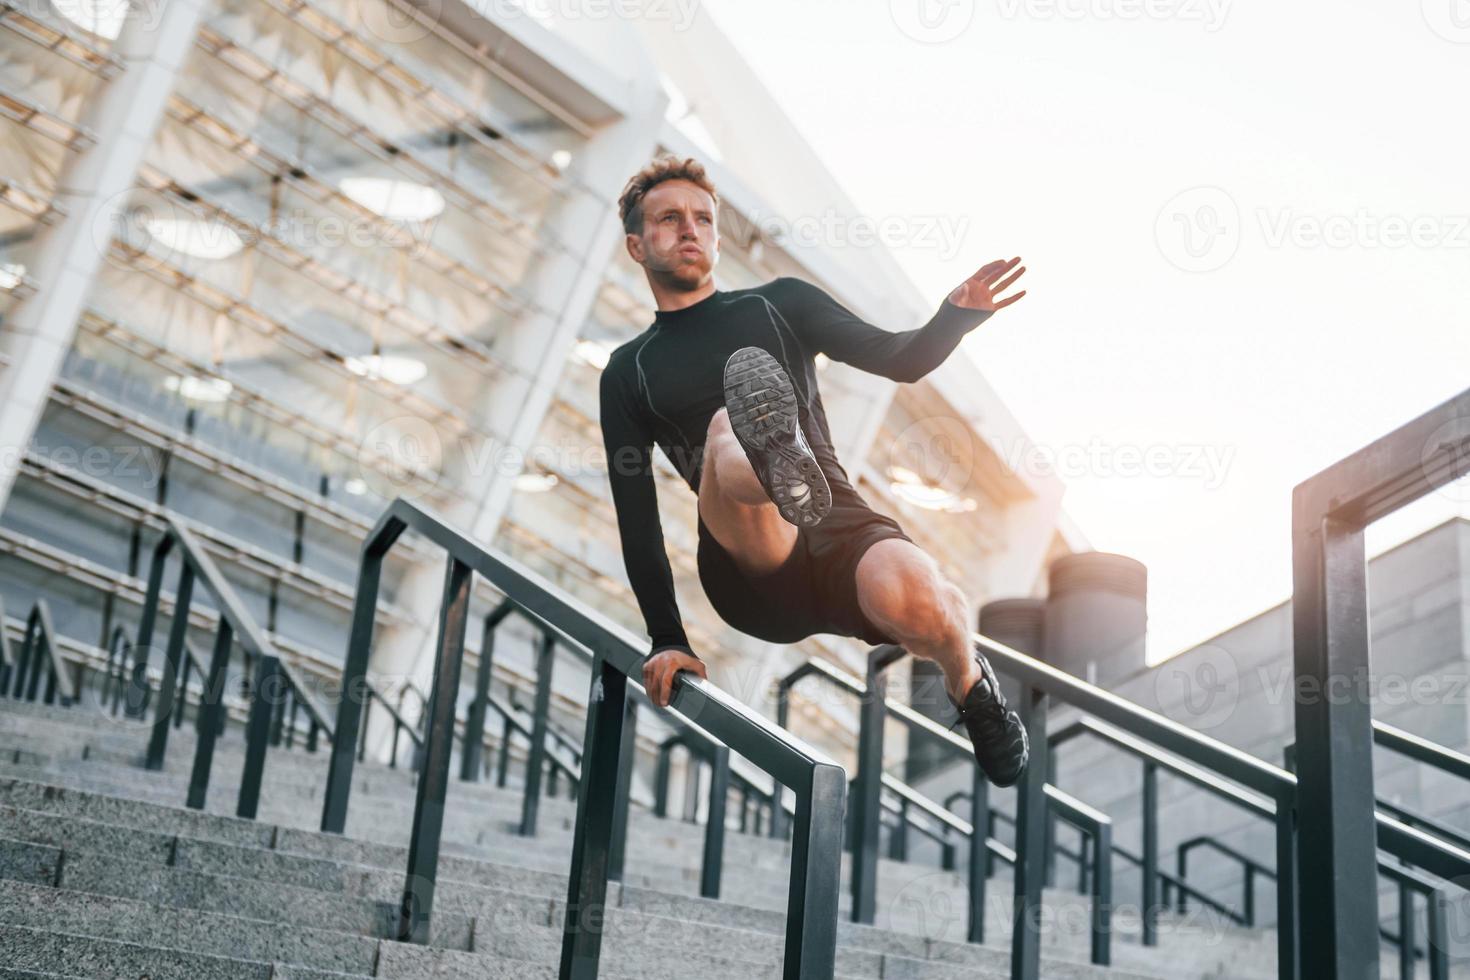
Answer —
(917, 605)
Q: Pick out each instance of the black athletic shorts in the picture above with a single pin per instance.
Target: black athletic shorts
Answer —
(813, 591)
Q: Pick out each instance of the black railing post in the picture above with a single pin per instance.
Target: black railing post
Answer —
(352, 707)
(714, 825)
(898, 839)
(979, 852)
(661, 776)
(1050, 849)
(178, 629)
(474, 723)
(1030, 870)
(263, 694)
(502, 756)
(137, 694)
(536, 757)
(1150, 854)
(866, 807)
(1181, 872)
(393, 745)
(367, 713)
(278, 722)
(1288, 920)
(816, 865)
(1439, 937)
(433, 782)
(22, 663)
(627, 760)
(1248, 900)
(592, 842)
(7, 661)
(1102, 894)
(1084, 859)
(1407, 931)
(211, 706)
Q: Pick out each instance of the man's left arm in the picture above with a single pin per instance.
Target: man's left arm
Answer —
(828, 327)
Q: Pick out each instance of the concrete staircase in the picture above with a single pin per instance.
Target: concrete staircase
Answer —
(103, 873)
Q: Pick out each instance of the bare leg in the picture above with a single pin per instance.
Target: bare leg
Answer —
(735, 506)
(901, 589)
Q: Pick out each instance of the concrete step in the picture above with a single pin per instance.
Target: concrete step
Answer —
(500, 901)
(379, 890)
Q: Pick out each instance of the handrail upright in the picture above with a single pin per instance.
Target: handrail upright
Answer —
(811, 930)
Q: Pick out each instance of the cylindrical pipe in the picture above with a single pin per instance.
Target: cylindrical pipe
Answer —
(1096, 616)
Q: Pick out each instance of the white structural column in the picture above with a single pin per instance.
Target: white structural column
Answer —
(565, 288)
(94, 185)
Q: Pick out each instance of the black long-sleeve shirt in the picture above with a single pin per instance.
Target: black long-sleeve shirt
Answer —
(663, 387)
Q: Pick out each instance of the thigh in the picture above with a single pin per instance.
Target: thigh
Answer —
(758, 538)
(780, 606)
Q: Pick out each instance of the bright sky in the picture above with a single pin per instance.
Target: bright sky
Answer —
(1207, 328)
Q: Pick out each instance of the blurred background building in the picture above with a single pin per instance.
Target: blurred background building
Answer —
(268, 265)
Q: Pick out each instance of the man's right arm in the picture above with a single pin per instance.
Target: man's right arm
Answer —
(628, 441)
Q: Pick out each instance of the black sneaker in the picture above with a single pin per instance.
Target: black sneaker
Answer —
(762, 408)
(995, 730)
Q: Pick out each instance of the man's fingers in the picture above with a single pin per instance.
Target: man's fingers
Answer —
(1008, 280)
(997, 269)
(666, 685)
(1009, 300)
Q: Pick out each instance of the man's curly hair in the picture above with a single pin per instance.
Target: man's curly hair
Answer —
(662, 168)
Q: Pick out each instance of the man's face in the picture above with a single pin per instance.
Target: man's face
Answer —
(679, 240)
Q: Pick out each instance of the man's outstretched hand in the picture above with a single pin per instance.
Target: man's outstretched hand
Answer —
(980, 291)
(660, 668)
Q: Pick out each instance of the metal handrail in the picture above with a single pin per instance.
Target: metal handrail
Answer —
(274, 685)
(7, 660)
(119, 649)
(910, 799)
(39, 642)
(1422, 749)
(513, 719)
(1160, 740)
(870, 752)
(558, 736)
(395, 715)
(1254, 805)
(463, 728)
(1250, 868)
(618, 656)
(1436, 904)
(1170, 882)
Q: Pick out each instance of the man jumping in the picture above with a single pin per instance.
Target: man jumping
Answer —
(724, 382)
